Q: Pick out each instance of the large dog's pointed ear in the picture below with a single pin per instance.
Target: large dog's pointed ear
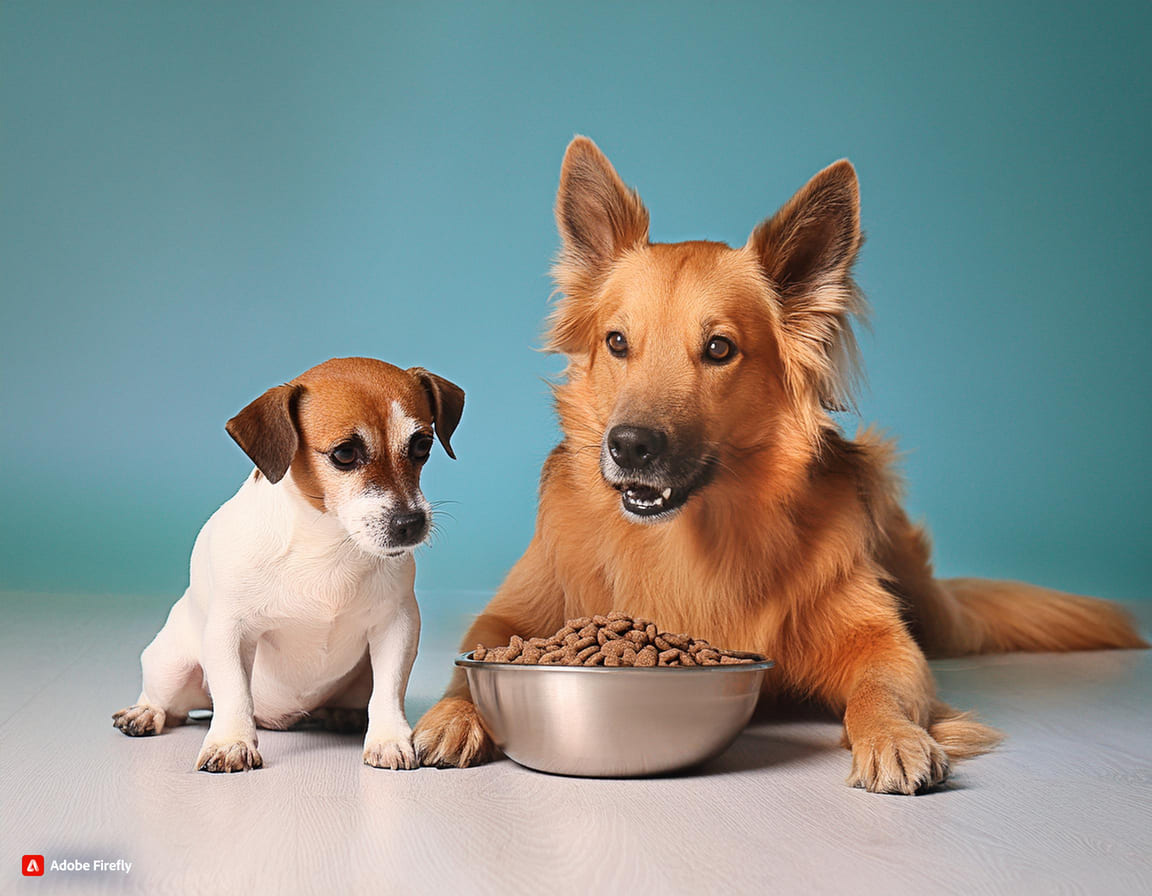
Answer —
(807, 250)
(266, 430)
(447, 402)
(599, 218)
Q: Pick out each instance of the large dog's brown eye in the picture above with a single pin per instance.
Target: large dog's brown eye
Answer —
(420, 446)
(617, 344)
(345, 455)
(719, 349)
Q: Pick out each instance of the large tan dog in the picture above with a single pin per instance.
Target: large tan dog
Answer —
(701, 483)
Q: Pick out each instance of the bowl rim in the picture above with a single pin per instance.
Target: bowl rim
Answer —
(465, 661)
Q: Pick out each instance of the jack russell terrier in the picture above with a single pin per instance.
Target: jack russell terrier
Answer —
(300, 602)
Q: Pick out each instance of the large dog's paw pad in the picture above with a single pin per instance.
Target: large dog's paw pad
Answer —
(450, 734)
(390, 753)
(139, 720)
(904, 759)
(236, 756)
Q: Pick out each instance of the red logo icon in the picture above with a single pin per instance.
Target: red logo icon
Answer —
(32, 866)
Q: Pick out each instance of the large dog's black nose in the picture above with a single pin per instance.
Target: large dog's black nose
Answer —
(635, 447)
(407, 528)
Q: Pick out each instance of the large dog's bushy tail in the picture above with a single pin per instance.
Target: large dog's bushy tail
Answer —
(963, 616)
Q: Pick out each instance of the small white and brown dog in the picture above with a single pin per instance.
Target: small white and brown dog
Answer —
(300, 602)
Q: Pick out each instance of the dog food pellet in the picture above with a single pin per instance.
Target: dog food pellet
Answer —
(612, 640)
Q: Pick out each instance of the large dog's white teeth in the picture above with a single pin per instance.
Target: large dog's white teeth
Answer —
(666, 494)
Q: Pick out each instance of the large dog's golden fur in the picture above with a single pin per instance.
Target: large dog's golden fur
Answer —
(791, 540)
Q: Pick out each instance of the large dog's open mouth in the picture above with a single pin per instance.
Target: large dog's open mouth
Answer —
(651, 501)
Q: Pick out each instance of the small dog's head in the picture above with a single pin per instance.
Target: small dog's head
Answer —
(691, 360)
(354, 433)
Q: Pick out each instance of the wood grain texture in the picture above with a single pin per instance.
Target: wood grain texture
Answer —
(1065, 806)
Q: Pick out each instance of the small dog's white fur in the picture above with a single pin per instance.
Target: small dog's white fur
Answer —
(293, 610)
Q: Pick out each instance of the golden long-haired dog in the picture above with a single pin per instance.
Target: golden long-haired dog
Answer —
(702, 483)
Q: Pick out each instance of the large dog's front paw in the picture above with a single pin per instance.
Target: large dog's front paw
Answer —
(390, 752)
(139, 720)
(450, 734)
(229, 756)
(902, 759)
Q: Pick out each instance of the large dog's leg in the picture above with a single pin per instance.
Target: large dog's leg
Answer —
(530, 603)
(869, 665)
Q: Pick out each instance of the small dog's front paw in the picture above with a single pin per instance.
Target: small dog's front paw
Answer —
(139, 720)
(390, 753)
(235, 756)
(450, 734)
(904, 759)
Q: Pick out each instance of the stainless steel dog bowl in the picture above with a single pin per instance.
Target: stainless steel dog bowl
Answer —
(613, 722)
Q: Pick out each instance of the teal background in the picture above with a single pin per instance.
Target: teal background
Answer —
(200, 200)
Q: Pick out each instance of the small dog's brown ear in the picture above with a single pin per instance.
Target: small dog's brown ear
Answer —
(266, 430)
(447, 401)
(807, 250)
(598, 216)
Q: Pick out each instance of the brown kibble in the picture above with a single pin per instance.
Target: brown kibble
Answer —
(582, 656)
(612, 640)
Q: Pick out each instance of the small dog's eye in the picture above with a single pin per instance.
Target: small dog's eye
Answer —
(345, 455)
(719, 349)
(617, 344)
(420, 446)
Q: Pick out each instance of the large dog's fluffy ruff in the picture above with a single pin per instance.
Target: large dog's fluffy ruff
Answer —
(749, 519)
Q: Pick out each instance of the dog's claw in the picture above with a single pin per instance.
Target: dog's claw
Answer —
(139, 720)
(239, 756)
(906, 760)
(450, 735)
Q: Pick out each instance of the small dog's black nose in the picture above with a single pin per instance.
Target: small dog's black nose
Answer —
(407, 528)
(635, 447)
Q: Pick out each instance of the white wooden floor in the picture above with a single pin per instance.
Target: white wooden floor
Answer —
(1064, 807)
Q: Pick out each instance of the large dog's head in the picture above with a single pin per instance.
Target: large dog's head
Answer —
(689, 361)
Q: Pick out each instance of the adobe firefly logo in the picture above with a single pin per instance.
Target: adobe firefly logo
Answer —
(32, 866)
